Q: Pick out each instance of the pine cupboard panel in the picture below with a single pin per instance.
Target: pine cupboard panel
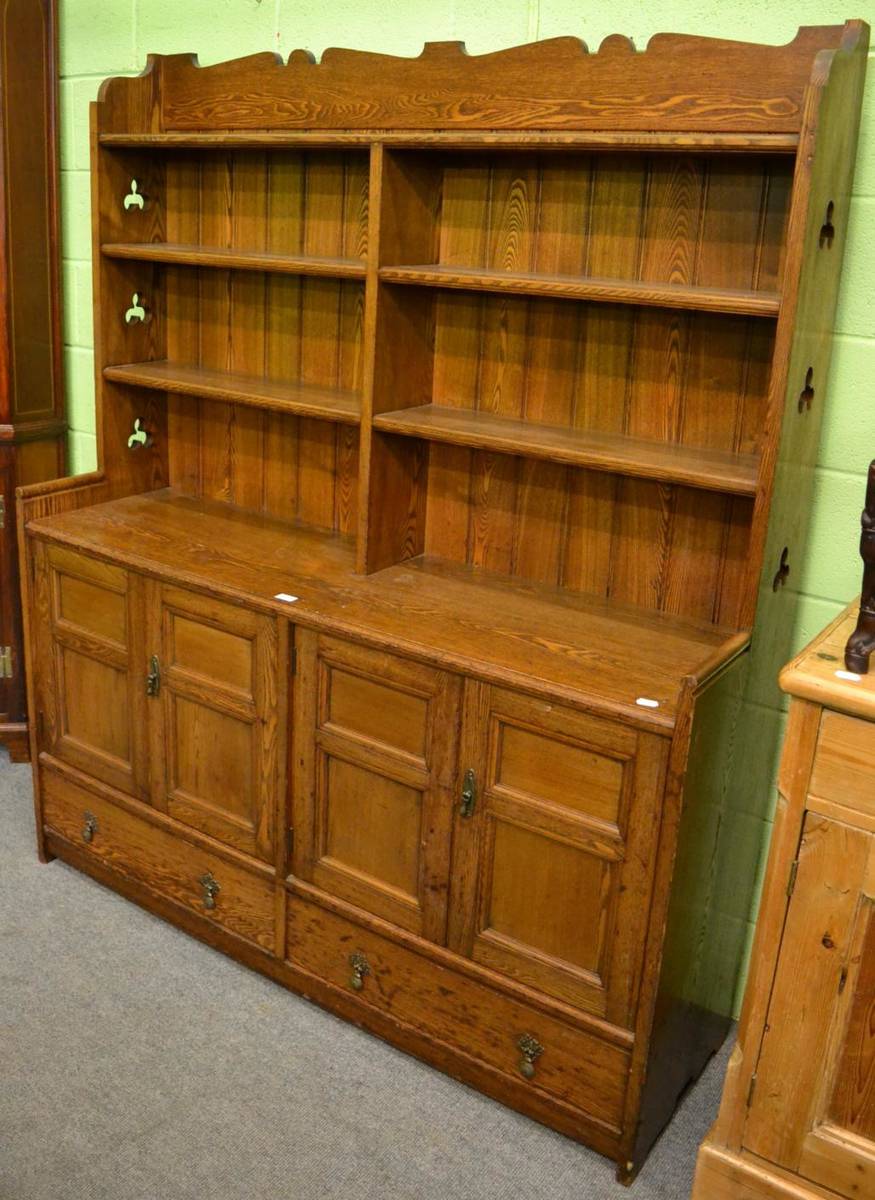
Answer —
(467, 424)
(798, 1109)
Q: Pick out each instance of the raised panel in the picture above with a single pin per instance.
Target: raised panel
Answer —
(372, 825)
(213, 755)
(371, 709)
(94, 705)
(569, 775)
(95, 609)
(213, 653)
(533, 879)
(804, 1030)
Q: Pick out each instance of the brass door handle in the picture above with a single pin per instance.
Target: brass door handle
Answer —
(211, 889)
(530, 1050)
(469, 794)
(89, 828)
(153, 679)
(360, 968)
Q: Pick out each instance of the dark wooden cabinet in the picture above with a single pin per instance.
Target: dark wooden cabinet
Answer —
(32, 425)
(451, 440)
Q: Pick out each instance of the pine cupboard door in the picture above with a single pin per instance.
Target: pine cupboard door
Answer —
(813, 1103)
(553, 847)
(214, 717)
(375, 753)
(90, 669)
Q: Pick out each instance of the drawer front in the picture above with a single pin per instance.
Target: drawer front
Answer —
(844, 762)
(186, 874)
(522, 1042)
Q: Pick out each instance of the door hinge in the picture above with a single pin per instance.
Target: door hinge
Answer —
(2, 512)
(6, 662)
(794, 870)
(751, 1089)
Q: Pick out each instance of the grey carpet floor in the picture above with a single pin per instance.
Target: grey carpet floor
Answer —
(138, 1064)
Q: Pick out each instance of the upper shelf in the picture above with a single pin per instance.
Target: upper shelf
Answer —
(614, 291)
(670, 142)
(184, 254)
(714, 470)
(302, 399)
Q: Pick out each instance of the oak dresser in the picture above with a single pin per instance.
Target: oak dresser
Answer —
(456, 416)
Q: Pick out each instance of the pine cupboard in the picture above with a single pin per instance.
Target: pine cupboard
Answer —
(797, 1119)
(456, 417)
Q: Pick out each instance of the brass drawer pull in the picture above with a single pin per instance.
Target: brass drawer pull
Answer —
(211, 889)
(360, 968)
(89, 828)
(531, 1050)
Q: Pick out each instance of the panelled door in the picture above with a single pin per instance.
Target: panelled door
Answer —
(375, 744)
(552, 847)
(813, 1104)
(213, 716)
(89, 635)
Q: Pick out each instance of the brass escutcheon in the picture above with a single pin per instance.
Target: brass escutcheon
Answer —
(211, 889)
(360, 968)
(531, 1050)
(89, 828)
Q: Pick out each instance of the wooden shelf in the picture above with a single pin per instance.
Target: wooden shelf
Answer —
(712, 469)
(540, 637)
(236, 260)
(306, 400)
(668, 142)
(613, 291)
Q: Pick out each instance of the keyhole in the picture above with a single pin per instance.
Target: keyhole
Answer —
(827, 229)
(782, 572)
(807, 393)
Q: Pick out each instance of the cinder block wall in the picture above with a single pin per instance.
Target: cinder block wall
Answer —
(111, 37)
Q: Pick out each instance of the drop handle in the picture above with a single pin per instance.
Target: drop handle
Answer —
(360, 968)
(530, 1051)
(89, 828)
(210, 887)
(468, 798)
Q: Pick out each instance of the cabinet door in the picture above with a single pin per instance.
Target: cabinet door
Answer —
(813, 1103)
(375, 739)
(553, 863)
(214, 716)
(91, 677)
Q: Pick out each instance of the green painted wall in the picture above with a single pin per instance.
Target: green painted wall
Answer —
(111, 37)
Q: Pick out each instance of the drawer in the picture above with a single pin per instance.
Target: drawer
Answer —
(844, 762)
(243, 904)
(574, 1066)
